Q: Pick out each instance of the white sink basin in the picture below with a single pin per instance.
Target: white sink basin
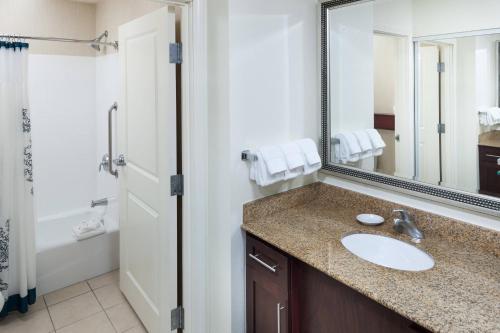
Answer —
(388, 252)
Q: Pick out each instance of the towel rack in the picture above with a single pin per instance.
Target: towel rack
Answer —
(246, 155)
(335, 141)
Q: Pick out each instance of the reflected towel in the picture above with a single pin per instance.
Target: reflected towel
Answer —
(489, 116)
(348, 149)
(364, 143)
(377, 141)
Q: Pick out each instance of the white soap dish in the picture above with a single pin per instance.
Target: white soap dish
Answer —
(370, 219)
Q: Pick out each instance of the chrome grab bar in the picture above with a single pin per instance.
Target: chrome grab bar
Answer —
(113, 107)
(256, 257)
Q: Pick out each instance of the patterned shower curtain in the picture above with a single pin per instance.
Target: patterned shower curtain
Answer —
(17, 227)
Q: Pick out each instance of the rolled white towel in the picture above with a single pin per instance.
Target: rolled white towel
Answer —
(364, 143)
(311, 156)
(87, 226)
(348, 149)
(88, 229)
(274, 159)
(295, 159)
(259, 172)
(377, 141)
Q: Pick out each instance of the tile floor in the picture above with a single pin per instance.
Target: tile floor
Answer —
(92, 306)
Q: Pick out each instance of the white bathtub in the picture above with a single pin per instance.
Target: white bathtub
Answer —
(63, 261)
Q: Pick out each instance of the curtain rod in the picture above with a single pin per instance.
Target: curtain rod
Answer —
(94, 43)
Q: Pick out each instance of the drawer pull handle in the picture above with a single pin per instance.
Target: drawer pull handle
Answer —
(256, 257)
(494, 156)
(278, 312)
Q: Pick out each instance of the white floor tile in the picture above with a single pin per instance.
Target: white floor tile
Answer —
(74, 309)
(66, 293)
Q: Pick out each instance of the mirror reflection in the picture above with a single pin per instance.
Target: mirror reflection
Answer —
(414, 90)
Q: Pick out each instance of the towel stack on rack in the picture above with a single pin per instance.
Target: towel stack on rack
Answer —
(271, 164)
(489, 116)
(350, 147)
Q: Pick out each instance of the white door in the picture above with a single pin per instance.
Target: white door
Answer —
(428, 138)
(147, 138)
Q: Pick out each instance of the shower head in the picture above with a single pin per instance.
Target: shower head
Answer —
(96, 42)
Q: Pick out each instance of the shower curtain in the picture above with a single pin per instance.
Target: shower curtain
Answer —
(17, 227)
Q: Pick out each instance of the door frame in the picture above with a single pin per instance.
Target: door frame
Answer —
(194, 161)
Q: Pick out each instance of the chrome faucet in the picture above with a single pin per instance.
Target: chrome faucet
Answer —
(100, 202)
(406, 225)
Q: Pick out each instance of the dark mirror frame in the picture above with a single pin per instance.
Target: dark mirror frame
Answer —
(471, 201)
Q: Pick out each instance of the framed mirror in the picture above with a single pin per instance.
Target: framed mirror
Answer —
(411, 97)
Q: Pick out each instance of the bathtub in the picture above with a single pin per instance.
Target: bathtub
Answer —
(63, 261)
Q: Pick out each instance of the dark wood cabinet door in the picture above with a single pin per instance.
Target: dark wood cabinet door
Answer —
(489, 171)
(267, 288)
(320, 304)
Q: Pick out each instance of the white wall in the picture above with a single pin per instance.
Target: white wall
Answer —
(351, 63)
(267, 95)
(385, 53)
(69, 99)
(107, 86)
(62, 101)
(351, 59)
(486, 70)
(393, 16)
(433, 17)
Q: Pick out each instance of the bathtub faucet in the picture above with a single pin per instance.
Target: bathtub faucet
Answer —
(100, 202)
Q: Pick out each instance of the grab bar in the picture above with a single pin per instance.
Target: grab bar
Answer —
(113, 107)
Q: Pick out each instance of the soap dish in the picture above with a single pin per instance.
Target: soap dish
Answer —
(370, 219)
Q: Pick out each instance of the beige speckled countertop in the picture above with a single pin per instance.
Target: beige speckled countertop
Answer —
(490, 139)
(460, 294)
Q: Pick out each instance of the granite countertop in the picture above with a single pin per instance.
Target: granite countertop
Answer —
(460, 294)
(490, 139)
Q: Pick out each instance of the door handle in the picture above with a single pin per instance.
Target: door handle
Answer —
(256, 257)
(278, 315)
(397, 137)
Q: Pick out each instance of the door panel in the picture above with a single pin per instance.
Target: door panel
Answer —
(142, 103)
(147, 137)
(428, 155)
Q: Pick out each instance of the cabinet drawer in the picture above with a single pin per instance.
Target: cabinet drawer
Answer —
(265, 259)
(489, 154)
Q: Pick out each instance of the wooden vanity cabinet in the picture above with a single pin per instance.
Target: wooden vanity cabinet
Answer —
(310, 301)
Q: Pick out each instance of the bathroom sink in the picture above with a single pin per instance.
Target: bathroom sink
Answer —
(388, 252)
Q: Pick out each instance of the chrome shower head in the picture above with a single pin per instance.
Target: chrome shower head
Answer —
(95, 44)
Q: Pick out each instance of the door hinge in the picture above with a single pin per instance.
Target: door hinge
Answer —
(176, 53)
(177, 318)
(441, 67)
(176, 185)
(441, 128)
